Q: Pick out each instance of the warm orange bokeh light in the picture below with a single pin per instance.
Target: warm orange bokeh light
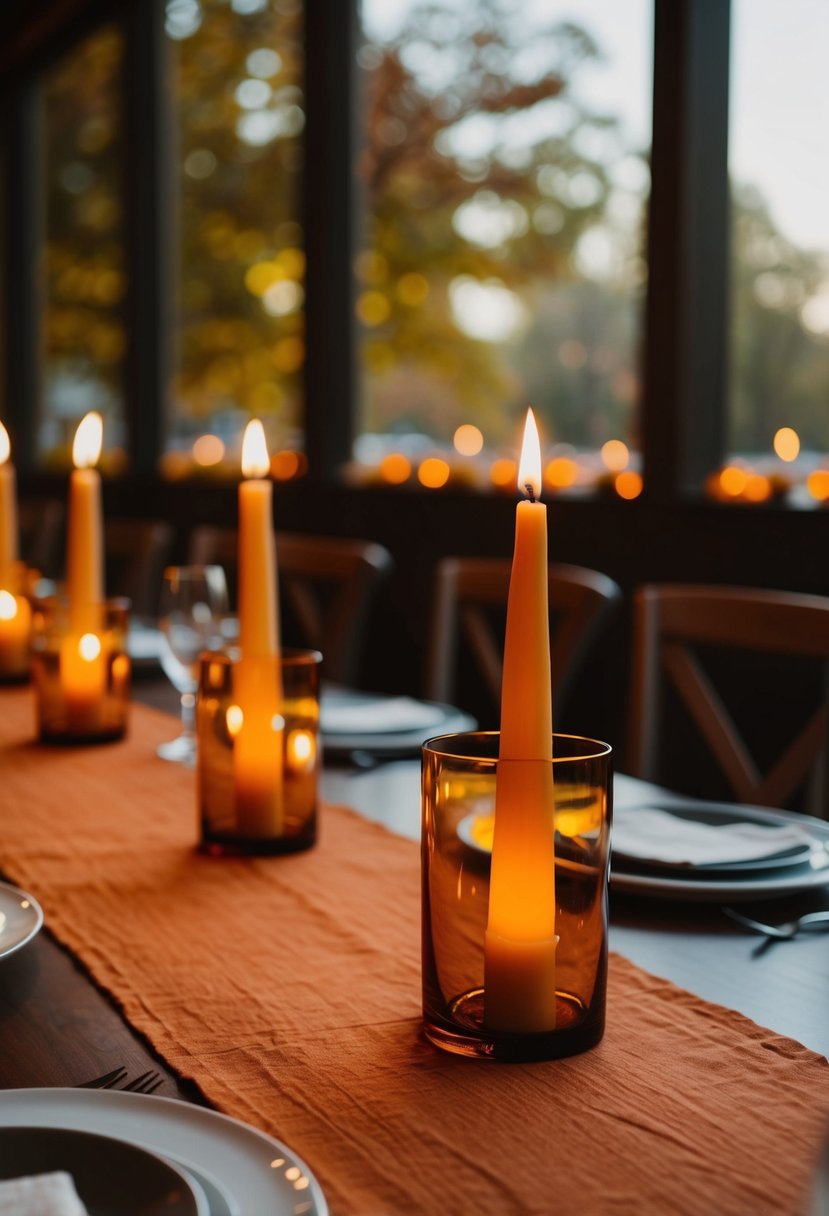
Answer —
(433, 473)
(235, 720)
(615, 455)
(468, 440)
(5, 444)
(817, 484)
(758, 488)
(561, 473)
(208, 450)
(503, 472)
(628, 485)
(787, 443)
(287, 464)
(395, 468)
(733, 481)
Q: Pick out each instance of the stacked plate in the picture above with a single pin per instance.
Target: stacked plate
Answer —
(384, 726)
(138, 1155)
(683, 849)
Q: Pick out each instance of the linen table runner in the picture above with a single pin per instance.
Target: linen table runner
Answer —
(289, 990)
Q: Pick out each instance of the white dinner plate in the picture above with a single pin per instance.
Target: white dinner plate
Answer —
(384, 733)
(21, 918)
(257, 1174)
(701, 883)
(112, 1177)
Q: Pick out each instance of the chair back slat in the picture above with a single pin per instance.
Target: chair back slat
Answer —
(468, 589)
(328, 583)
(671, 620)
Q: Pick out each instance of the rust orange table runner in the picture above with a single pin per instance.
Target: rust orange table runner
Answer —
(288, 989)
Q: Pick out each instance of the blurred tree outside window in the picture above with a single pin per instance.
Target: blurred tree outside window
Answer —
(504, 178)
(237, 81)
(83, 279)
(778, 420)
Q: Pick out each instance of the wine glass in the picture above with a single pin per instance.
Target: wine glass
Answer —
(193, 603)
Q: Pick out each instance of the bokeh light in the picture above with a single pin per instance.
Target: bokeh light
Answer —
(208, 450)
(468, 440)
(615, 455)
(787, 443)
(560, 473)
(395, 469)
(817, 484)
(504, 473)
(733, 481)
(628, 485)
(433, 473)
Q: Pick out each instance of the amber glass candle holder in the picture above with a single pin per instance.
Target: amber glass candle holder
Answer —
(258, 795)
(459, 782)
(15, 624)
(82, 681)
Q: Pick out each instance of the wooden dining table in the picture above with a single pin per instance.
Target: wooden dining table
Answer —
(58, 1028)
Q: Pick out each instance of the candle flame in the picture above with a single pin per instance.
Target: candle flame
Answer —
(5, 445)
(255, 459)
(89, 439)
(89, 647)
(529, 466)
(8, 606)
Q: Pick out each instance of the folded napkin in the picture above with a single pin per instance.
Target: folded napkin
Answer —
(377, 715)
(40, 1195)
(647, 833)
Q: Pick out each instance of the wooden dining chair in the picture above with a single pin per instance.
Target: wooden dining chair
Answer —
(469, 606)
(135, 554)
(680, 631)
(326, 588)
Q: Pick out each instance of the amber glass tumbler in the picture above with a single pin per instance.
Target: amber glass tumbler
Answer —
(239, 815)
(15, 623)
(82, 682)
(458, 800)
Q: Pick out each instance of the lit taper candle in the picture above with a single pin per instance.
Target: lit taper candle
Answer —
(256, 722)
(520, 948)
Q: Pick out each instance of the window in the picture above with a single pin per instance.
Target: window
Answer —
(237, 70)
(83, 264)
(504, 174)
(778, 423)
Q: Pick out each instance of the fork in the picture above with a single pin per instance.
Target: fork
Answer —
(146, 1083)
(785, 931)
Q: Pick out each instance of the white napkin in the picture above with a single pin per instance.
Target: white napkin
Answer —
(41, 1195)
(377, 715)
(650, 834)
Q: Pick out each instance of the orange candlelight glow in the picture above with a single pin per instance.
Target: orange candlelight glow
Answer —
(257, 727)
(520, 943)
(433, 473)
(787, 444)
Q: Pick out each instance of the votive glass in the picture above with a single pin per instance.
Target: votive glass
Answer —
(257, 794)
(459, 777)
(81, 680)
(15, 624)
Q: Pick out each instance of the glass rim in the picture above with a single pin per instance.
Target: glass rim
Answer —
(594, 749)
(290, 656)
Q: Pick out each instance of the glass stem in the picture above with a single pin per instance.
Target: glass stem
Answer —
(188, 714)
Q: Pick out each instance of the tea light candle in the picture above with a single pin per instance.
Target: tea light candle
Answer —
(520, 944)
(83, 655)
(258, 739)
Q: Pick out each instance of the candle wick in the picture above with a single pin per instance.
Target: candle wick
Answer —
(530, 491)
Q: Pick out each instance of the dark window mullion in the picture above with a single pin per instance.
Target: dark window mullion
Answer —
(687, 309)
(329, 223)
(22, 266)
(149, 219)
